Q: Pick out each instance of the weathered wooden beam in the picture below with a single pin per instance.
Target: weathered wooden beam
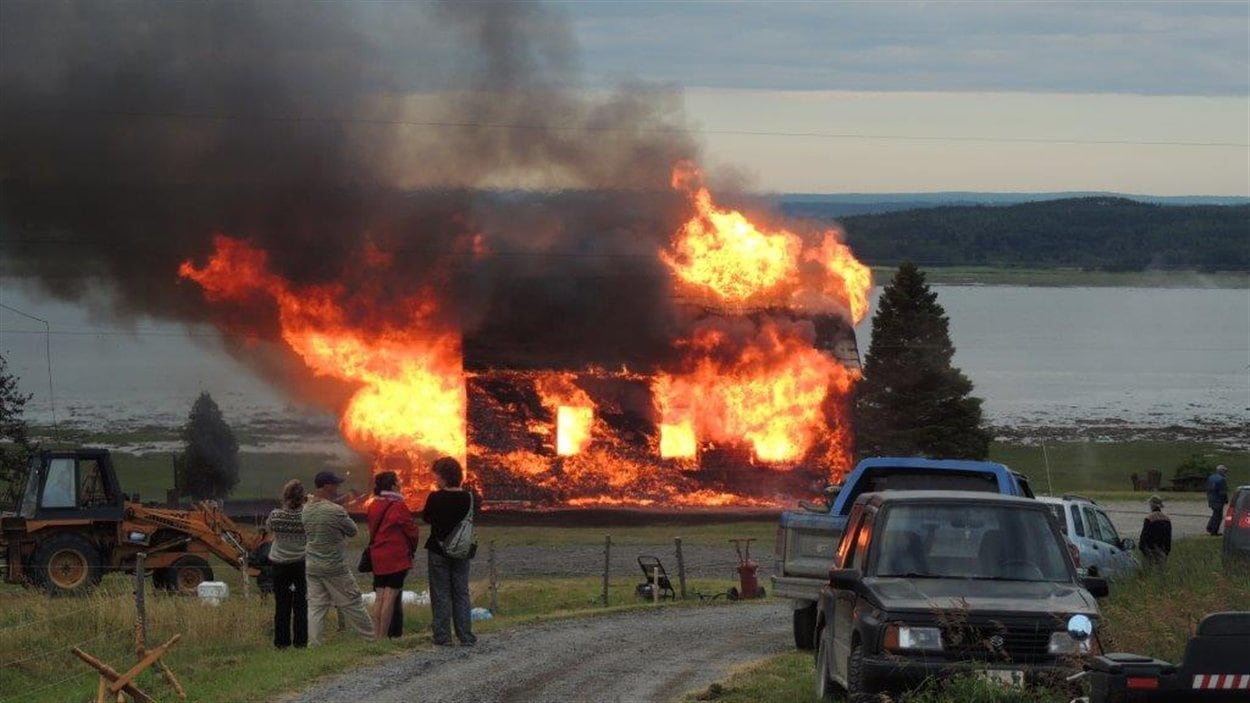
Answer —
(111, 674)
(124, 680)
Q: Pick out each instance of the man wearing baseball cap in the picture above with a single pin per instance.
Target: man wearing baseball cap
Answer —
(1217, 496)
(330, 582)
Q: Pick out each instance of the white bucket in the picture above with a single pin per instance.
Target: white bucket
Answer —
(213, 592)
(411, 598)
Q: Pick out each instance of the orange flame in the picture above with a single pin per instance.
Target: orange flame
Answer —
(574, 411)
(721, 254)
(770, 395)
(411, 396)
(766, 386)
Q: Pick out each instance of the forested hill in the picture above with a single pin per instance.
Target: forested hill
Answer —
(1114, 234)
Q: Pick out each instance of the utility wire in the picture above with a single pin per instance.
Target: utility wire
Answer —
(48, 348)
(449, 124)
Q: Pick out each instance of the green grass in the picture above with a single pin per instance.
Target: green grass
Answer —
(1153, 613)
(225, 654)
(1060, 277)
(1108, 466)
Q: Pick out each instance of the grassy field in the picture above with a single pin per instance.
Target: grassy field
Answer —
(1058, 277)
(1108, 466)
(225, 653)
(1153, 613)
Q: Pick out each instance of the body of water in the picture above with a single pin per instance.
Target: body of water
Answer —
(1040, 357)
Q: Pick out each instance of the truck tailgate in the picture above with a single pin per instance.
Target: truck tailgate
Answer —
(811, 541)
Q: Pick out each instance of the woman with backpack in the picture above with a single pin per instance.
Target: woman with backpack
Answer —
(392, 540)
(445, 511)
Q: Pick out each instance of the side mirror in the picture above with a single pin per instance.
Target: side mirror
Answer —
(1096, 586)
(1127, 544)
(845, 579)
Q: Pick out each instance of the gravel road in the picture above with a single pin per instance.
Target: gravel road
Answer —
(651, 655)
(1189, 518)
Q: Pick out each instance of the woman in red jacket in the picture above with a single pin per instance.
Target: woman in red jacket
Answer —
(392, 541)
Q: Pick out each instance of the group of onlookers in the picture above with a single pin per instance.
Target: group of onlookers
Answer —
(311, 574)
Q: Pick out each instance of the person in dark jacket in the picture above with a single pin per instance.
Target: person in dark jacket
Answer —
(286, 556)
(1217, 496)
(392, 540)
(449, 578)
(1156, 534)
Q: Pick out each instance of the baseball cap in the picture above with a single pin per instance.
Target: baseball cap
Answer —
(325, 478)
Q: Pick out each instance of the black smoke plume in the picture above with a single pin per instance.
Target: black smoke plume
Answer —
(131, 133)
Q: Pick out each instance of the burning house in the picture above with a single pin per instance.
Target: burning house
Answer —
(738, 397)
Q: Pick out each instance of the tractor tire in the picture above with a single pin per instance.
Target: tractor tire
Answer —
(184, 576)
(66, 564)
(805, 628)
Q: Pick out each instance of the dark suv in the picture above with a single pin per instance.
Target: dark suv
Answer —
(930, 583)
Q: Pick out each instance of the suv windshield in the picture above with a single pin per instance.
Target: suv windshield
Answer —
(997, 542)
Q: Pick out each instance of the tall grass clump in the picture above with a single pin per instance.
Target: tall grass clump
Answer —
(1156, 612)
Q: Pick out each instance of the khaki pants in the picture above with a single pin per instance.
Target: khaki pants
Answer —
(341, 592)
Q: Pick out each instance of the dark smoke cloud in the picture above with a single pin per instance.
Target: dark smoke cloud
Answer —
(131, 133)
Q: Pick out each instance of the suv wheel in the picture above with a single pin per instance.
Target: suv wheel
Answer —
(805, 628)
(856, 692)
(825, 687)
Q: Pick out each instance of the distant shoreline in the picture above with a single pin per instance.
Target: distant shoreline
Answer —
(1071, 278)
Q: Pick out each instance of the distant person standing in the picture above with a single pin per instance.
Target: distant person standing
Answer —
(1156, 534)
(1217, 497)
(286, 556)
(392, 540)
(328, 527)
(449, 577)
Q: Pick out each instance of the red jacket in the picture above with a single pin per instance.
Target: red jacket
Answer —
(393, 534)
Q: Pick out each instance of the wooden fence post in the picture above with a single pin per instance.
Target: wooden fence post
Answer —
(681, 568)
(607, 566)
(494, 581)
(141, 612)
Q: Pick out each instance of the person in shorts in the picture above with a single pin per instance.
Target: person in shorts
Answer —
(392, 541)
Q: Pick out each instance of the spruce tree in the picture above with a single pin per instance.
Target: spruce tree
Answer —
(15, 444)
(912, 401)
(209, 465)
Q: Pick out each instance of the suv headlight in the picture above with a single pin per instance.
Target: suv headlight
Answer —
(907, 637)
(1063, 643)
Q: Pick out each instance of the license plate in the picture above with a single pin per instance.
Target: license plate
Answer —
(1006, 677)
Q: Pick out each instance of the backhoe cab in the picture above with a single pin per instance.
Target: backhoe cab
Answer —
(74, 525)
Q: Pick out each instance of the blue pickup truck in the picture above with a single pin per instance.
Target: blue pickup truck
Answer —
(807, 539)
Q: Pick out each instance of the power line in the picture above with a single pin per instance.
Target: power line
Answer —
(47, 330)
(456, 124)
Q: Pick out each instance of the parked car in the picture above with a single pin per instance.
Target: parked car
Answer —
(1102, 551)
(930, 583)
(1237, 528)
(806, 539)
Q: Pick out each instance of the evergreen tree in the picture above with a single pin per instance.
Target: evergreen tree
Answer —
(911, 401)
(209, 465)
(15, 445)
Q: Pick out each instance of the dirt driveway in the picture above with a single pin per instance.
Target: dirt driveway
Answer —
(649, 655)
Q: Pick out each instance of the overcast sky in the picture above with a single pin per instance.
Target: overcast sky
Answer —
(1176, 75)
